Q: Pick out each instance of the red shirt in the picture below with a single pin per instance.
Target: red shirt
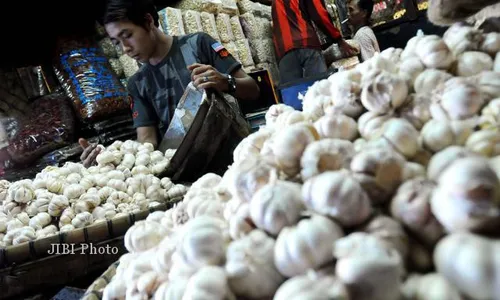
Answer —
(293, 28)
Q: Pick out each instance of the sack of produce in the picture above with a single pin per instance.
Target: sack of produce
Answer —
(108, 48)
(69, 153)
(89, 81)
(237, 29)
(113, 123)
(262, 50)
(250, 26)
(211, 6)
(129, 65)
(229, 7)
(244, 53)
(231, 48)
(49, 126)
(245, 6)
(209, 25)
(223, 23)
(117, 67)
(192, 21)
(123, 133)
(171, 21)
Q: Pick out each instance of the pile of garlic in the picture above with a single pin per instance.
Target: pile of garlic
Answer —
(72, 196)
(380, 189)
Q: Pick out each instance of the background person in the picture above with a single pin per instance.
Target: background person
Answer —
(360, 12)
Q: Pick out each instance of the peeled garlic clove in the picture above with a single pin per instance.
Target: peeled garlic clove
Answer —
(410, 69)
(416, 110)
(468, 197)
(491, 43)
(429, 79)
(369, 123)
(461, 38)
(444, 158)
(437, 135)
(434, 52)
(325, 155)
(401, 135)
(385, 93)
(484, 142)
(336, 126)
(456, 99)
(472, 63)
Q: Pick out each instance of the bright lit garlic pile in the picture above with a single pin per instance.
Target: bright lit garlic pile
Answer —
(390, 170)
(72, 196)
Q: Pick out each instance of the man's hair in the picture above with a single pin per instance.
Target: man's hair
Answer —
(134, 11)
(366, 5)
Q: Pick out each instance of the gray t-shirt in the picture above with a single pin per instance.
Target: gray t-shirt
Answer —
(156, 90)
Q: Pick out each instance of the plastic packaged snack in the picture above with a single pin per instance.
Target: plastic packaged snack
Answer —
(245, 6)
(49, 126)
(250, 26)
(89, 81)
(244, 53)
(113, 123)
(229, 7)
(266, 30)
(266, 12)
(211, 6)
(237, 29)
(262, 50)
(192, 21)
(171, 21)
(108, 48)
(231, 48)
(209, 25)
(223, 23)
(64, 154)
(130, 66)
(117, 67)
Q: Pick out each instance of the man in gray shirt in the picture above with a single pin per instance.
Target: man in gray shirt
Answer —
(169, 64)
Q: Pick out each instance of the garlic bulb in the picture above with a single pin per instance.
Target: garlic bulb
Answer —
(57, 205)
(489, 84)
(472, 63)
(336, 126)
(437, 135)
(367, 267)
(390, 233)
(462, 38)
(208, 283)
(141, 170)
(484, 142)
(339, 195)
(4, 187)
(373, 65)
(290, 144)
(491, 43)
(467, 196)
(66, 216)
(370, 123)
(172, 290)
(431, 286)
(205, 207)
(274, 111)
(24, 218)
(434, 53)
(345, 92)
(456, 99)
(40, 220)
(250, 266)
(21, 191)
(288, 118)
(308, 245)
(409, 69)
(14, 224)
(429, 79)
(240, 223)
(73, 191)
(416, 110)
(251, 145)
(46, 231)
(496, 63)
(276, 205)
(105, 157)
(312, 286)
(411, 206)
(23, 235)
(385, 93)
(82, 219)
(143, 235)
(325, 155)
(380, 171)
(411, 47)
(401, 136)
(392, 54)
(444, 158)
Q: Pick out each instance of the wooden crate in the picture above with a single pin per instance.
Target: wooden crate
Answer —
(31, 266)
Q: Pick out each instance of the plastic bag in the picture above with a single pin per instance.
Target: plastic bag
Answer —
(244, 53)
(117, 67)
(33, 81)
(231, 48)
(211, 6)
(65, 154)
(229, 7)
(223, 23)
(265, 30)
(49, 126)
(262, 50)
(130, 66)
(245, 6)
(10, 125)
(171, 21)
(192, 21)
(236, 28)
(89, 81)
(119, 134)
(108, 48)
(250, 26)
(113, 123)
(267, 12)
(209, 25)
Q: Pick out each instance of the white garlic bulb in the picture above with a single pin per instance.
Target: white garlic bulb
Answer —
(336, 126)
(416, 110)
(325, 155)
(429, 79)
(444, 158)
(40, 220)
(66, 216)
(491, 43)
(104, 158)
(143, 235)
(472, 63)
(411, 47)
(209, 283)
(312, 286)
(401, 136)
(21, 191)
(456, 99)
(489, 84)
(385, 93)
(370, 123)
(431, 286)
(82, 219)
(409, 69)
(73, 191)
(240, 223)
(462, 38)
(437, 135)
(484, 142)
(434, 53)
(57, 205)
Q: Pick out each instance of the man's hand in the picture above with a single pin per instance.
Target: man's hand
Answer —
(205, 76)
(90, 152)
(346, 49)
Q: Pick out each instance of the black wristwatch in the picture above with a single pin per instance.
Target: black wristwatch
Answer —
(231, 83)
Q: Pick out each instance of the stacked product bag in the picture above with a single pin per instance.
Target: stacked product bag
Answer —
(171, 21)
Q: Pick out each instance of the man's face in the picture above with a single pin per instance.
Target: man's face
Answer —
(356, 15)
(135, 40)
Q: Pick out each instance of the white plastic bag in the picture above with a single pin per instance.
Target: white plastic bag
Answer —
(223, 22)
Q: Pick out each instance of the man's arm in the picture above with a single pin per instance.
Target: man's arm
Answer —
(246, 87)
(147, 135)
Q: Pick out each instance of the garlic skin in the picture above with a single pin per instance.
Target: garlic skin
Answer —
(401, 136)
(308, 245)
(409, 69)
(370, 123)
(431, 286)
(276, 205)
(456, 99)
(385, 93)
(411, 206)
(336, 126)
(337, 194)
(437, 135)
(379, 171)
(250, 266)
(491, 43)
(484, 142)
(367, 267)
(240, 223)
(472, 63)
(416, 110)
(462, 38)
(325, 155)
(429, 79)
(467, 196)
(312, 286)
(444, 158)
(434, 53)
(489, 84)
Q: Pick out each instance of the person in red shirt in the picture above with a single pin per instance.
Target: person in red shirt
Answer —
(297, 45)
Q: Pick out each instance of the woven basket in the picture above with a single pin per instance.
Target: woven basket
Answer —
(94, 292)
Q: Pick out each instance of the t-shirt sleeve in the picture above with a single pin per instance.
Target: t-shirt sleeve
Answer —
(367, 44)
(212, 52)
(143, 112)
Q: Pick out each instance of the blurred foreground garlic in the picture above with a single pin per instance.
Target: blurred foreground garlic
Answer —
(416, 110)
(409, 69)
(461, 38)
(434, 53)
(456, 99)
(385, 93)
(431, 286)
(370, 123)
(472, 63)
(335, 125)
(484, 142)
(491, 43)
(312, 285)
(436, 135)
(429, 79)
(489, 84)
(444, 158)
(400, 136)
(490, 115)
